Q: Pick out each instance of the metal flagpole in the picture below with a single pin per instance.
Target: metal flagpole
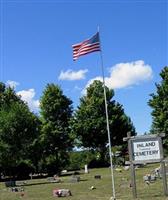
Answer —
(107, 121)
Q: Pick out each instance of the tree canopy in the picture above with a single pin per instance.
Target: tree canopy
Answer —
(45, 142)
(18, 130)
(56, 111)
(89, 120)
(159, 105)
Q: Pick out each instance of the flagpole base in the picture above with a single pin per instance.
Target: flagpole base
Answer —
(112, 198)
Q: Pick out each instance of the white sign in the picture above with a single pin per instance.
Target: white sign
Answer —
(146, 150)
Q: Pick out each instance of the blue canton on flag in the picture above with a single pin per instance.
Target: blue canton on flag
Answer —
(86, 47)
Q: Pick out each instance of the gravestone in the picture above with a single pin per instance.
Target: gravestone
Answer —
(97, 176)
(61, 192)
(86, 169)
(74, 179)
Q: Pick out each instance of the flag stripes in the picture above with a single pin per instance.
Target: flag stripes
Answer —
(86, 47)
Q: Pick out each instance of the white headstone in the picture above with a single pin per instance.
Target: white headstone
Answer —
(86, 169)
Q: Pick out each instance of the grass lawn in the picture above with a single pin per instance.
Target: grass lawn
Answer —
(41, 189)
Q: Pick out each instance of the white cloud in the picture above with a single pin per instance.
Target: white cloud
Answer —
(28, 96)
(72, 75)
(126, 74)
(12, 84)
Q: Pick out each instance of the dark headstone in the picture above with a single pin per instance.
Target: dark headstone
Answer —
(97, 176)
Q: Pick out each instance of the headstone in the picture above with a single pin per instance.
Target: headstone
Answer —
(118, 169)
(53, 180)
(126, 168)
(74, 179)
(86, 169)
(17, 189)
(64, 171)
(153, 177)
(147, 177)
(97, 176)
(31, 176)
(61, 192)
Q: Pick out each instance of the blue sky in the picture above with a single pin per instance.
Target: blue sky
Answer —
(36, 48)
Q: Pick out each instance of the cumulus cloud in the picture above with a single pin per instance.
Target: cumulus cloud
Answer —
(28, 97)
(126, 74)
(12, 84)
(72, 75)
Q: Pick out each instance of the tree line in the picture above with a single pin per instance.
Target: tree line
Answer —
(45, 142)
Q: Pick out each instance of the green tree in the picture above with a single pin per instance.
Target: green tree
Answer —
(56, 111)
(89, 120)
(7, 96)
(78, 159)
(18, 130)
(159, 104)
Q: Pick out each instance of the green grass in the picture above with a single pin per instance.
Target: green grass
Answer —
(41, 189)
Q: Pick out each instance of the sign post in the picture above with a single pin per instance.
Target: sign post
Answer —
(132, 169)
(164, 178)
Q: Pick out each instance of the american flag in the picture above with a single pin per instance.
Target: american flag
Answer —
(87, 46)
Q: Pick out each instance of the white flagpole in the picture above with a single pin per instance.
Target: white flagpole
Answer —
(107, 121)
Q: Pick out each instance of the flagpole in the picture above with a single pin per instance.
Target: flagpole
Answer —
(107, 121)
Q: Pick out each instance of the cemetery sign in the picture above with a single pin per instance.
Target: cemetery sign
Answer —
(146, 149)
